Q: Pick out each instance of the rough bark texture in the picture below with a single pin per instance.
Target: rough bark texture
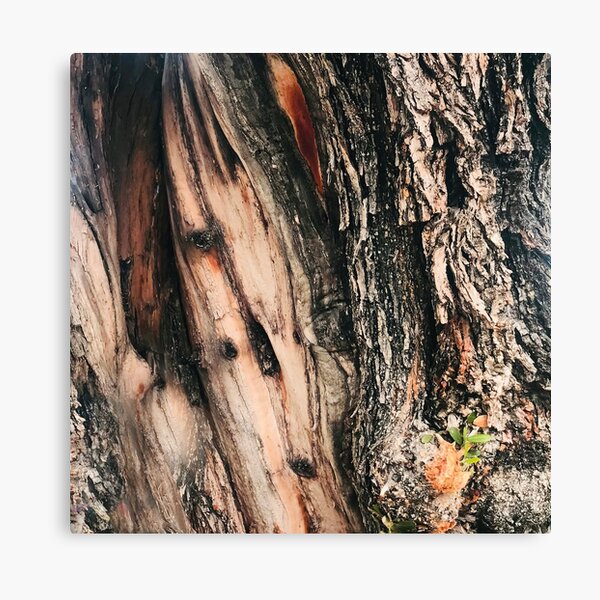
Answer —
(286, 268)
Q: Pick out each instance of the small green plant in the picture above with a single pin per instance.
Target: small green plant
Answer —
(466, 439)
(390, 525)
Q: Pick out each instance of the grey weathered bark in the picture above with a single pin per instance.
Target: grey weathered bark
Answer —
(286, 269)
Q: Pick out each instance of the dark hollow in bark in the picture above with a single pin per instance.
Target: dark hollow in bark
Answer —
(285, 269)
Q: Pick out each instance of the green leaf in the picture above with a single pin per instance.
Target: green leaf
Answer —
(471, 418)
(479, 438)
(387, 522)
(403, 527)
(425, 439)
(455, 435)
(470, 460)
(472, 451)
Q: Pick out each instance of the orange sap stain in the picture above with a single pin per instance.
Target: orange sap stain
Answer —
(212, 260)
(293, 102)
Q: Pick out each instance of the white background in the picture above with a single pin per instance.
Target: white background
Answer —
(40, 558)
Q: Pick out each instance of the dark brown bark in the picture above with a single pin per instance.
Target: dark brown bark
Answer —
(286, 269)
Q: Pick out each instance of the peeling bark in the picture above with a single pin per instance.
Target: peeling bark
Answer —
(286, 268)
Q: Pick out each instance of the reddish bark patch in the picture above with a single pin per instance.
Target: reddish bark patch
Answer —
(212, 260)
(292, 100)
(444, 472)
(462, 337)
(444, 526)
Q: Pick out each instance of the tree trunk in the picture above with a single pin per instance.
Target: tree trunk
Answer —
(286, 269)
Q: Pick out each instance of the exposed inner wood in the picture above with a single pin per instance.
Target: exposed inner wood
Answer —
(240, 303)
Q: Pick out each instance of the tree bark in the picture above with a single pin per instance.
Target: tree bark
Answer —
(285, 269)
